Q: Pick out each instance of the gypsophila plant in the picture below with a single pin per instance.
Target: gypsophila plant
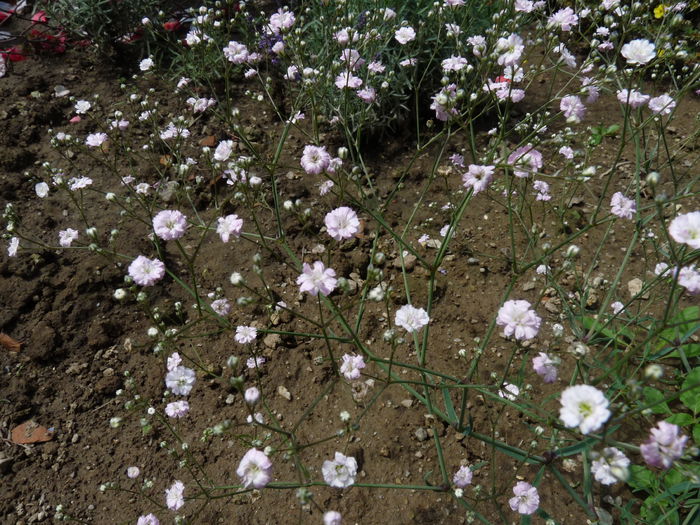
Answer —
(584, 342)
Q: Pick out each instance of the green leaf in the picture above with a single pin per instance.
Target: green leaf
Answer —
(691, 398)
(641, 478)
(622, 336)
(682, 326)
(681, 419)
(611, 130)
(655, 399)
(449, 407)
(696, 434)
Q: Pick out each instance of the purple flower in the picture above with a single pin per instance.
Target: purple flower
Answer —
(545, 367)
(462, 477)
(255, 469)
(170, 225)
(145, 271)
(317, 279)
(664, 445)
(526, 499)
(518, 320)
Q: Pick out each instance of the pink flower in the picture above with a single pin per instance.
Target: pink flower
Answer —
(255, 469)
(315, 159)
(251, 395)
(228, 226)
(281, 20)
(177, 409)
(245, 334)
(223, 150)
(347, 80)
(462, 477)
(662, 105)
(478, 177)
(526, 499)
(317, 279)
(95, 139)
(444, 102)
(332, 517)
(686, 229)
(174, 496)
(145, 271)
(170, 225)
(664, 445)
(79, 183)
(564, 19)
(221, 307)
(454, 63)
(352, 366)
(622, 207)
(545, 367)
(342, 223)
(180, 380)
(66, 237)
(542, 189)
(405, 35)
(352, 59)
(518, 320)
(689, 278)
(368, 94)
(632, 98)
(148, 519)
(174, 360)
(410, 318)
(566, 152)
(235, 52)
(339, 473)
(525, 160)
(573, 108)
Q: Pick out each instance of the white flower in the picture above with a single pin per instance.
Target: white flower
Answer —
(662, 105)
(180, 380)
(585, 407)
(146, 64)
(174, 496)
(12, 247)
(223, 150)
(404, 35)
(245, 334)
(228, 226)
(82, 107)
(342, 223)
(41, 189)
(639, 51)
(410, 318)
(66, 237)
(332, 517)
(340, 473)
(611, 466)
(509, 391)
(686, 229)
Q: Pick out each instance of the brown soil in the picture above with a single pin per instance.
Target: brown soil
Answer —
(78, 343)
